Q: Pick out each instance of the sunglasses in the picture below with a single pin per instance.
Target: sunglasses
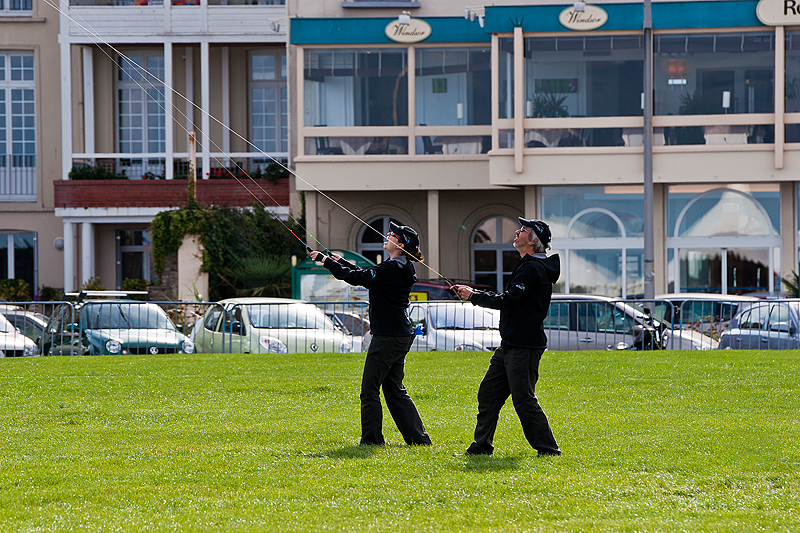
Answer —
(393, 234)
(523, 229)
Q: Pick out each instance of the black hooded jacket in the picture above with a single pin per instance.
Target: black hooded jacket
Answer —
(389, 285)
(525, 302)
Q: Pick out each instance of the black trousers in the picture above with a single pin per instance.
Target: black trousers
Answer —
(514, 372)
(385, 367)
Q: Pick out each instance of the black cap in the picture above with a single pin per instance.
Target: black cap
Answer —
(539, 227)
(407, 236)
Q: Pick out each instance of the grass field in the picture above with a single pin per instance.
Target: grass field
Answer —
(662, 441)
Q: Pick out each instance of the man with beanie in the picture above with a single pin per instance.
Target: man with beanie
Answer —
(514, 367)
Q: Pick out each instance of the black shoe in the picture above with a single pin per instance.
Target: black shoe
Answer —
(471, 454)
(363, 443)
(548, 453)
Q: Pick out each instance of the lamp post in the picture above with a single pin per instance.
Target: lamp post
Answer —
(649, 248)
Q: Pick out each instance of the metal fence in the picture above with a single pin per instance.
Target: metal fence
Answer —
(574, 322)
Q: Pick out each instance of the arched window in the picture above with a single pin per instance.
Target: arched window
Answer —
(724, 239)
(372, 236)
(493, 253)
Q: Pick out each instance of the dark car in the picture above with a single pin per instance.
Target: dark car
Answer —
(93, 324)
(767, 325)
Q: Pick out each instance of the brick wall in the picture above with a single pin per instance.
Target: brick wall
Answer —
(169, 193)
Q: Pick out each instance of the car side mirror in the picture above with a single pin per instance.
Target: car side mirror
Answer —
(72, 328)
(792, 330)
(236, 328)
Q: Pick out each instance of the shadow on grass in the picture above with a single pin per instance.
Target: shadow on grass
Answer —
(350, 452)
(490, 463)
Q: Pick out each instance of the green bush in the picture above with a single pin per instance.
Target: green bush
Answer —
(229, 237)
(93, 284)
(48, 294)
(88, 172)
(15, 290)
(134, 284)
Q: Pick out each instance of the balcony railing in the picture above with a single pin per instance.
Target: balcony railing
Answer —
(17, 178)
(175, 2)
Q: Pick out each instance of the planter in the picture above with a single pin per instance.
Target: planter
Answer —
(169, 193)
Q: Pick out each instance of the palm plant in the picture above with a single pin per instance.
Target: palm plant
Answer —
(260, 275)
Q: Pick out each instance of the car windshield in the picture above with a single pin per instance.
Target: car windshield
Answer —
(463, 317)
(126, 316)
(288, 316)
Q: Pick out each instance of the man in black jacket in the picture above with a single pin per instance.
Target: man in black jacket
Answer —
(389, 285)
(514, 368)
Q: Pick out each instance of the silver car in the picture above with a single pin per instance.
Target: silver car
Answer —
(588, 322)
(769, 325)
(454, 326)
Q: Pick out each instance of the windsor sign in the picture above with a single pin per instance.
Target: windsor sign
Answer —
(415, 31)
(591, 18)
(778, 12)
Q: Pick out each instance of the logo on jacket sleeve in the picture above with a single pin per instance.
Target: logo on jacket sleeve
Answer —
(520, 286)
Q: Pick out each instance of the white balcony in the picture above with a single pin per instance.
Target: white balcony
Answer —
(229, 23)
(17, 178)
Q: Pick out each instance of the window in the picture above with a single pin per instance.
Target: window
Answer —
(493, 254)
(583, 76)
(600, 231)
(17, 128)
(724, 239)
(18, 257)
(15, 7)
(372, 237)
(715, 73)
(365, 87)
(269, 123)
(141, 115)
(133, 255)
(453, 86)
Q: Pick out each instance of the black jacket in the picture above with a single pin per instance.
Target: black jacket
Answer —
(389, 285)
(524, 303)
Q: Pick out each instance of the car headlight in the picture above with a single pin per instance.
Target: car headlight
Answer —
(29, 351)
(273, 345)
(113, 347)
(187, 346)
(345, 346)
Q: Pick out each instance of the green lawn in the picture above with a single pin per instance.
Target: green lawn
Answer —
(662, 441)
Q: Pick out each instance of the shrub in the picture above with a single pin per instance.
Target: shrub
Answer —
(15, 290)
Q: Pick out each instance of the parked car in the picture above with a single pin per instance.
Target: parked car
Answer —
(110, 327)
(454, 326)
(351, 324)
(13, 343)
(263, 325)
(588, 322)
(709, 314)
(767, 325)
(28, 323)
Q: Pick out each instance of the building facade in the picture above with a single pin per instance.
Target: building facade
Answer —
(30, 143)
(140, 77)
(459, 120)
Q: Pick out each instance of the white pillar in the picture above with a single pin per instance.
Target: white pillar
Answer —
(432, 252)
(66, 96)
(169, 101)
(69, 258)
(205, 103)
(87, 251)
(189, 92)
(226, 102)
(88, 99)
